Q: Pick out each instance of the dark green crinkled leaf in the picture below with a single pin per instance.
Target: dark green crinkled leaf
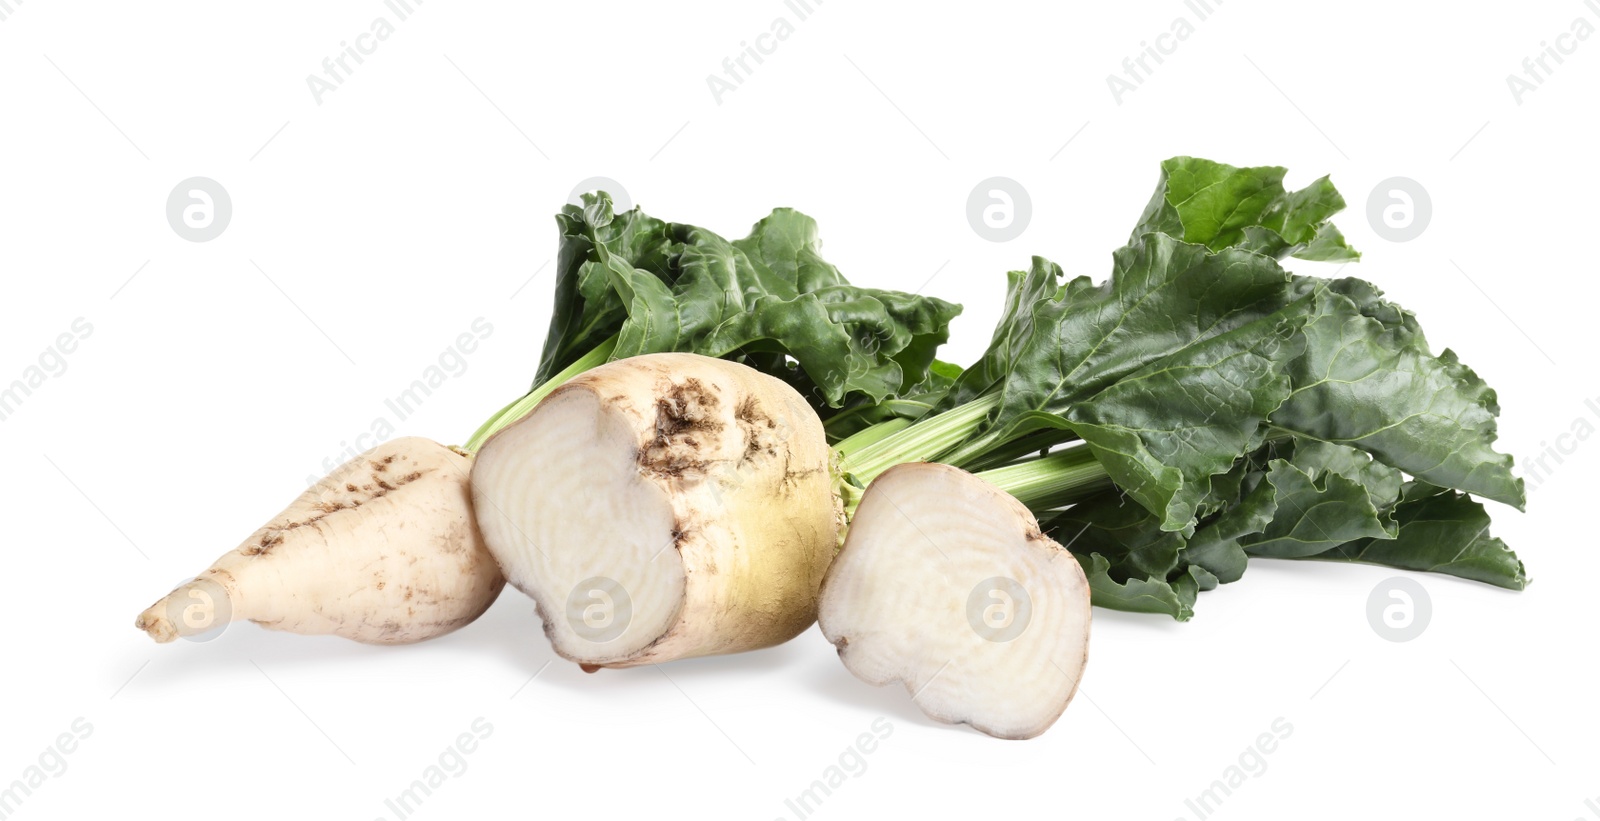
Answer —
(1167, 374)
(1292, 498)
(1381, 482)
(1121, 530)
(1165, 430)
(1013, 334)
(1126, 558)
(1175, 599)
(1220, 206)
(1280, 500)
(587, 312)
(1242, 504)
(1312, 513)
(1057, 343)
(1197, 201)
(1166, 368)
(1367, 379)
(1440, 531)
(766, 299)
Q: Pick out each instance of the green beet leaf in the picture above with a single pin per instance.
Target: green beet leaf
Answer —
(1220, 206)
(768, 299)
(1440, 531)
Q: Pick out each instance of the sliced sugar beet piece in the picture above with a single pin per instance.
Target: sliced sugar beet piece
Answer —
(946, 584)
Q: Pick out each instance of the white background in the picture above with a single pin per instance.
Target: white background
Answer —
(370, 230)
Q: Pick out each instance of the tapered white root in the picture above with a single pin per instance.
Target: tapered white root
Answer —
(946, 584)
(384, 550)
(661, 507)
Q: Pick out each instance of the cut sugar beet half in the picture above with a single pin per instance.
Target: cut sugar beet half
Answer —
(946, 584)
(661, 507)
